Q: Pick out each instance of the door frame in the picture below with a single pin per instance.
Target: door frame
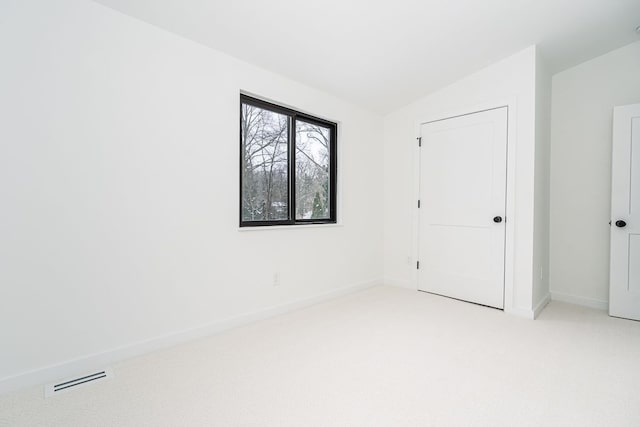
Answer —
(509, 260)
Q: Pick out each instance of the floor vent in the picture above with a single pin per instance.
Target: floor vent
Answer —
(73, 383)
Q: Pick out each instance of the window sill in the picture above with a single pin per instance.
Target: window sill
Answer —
(288, 227)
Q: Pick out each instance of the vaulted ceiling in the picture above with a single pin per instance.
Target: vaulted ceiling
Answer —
(384, 54)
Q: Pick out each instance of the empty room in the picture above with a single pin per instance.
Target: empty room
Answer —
(337, 213)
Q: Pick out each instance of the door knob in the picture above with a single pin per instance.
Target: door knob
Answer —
(497, 219)
(620, 223)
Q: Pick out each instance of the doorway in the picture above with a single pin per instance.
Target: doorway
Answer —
(461, 237)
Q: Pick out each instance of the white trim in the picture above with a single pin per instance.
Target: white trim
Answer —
(94, 361)
(520, 312)
(414, 241)
(541, 305)
(578, 300)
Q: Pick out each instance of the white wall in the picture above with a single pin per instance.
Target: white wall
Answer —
(119, 188)
(583, 99)
(509, 82)
(541, 204)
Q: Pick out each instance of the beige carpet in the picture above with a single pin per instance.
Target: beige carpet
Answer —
(382, 357)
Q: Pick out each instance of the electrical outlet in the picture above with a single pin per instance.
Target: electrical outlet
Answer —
(276, 278)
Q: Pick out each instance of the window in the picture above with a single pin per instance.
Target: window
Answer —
(287, 166)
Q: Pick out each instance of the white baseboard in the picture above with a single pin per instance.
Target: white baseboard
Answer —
(94, 361)
(541, 305)
(407, 284)
(584, 301)
(520, 312)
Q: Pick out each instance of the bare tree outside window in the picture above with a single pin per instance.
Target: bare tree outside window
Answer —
(312, 171)
(288, 166)
(265, 136)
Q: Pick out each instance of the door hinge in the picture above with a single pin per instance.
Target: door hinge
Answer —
(418, 204)
(417, 265)
(419, 141)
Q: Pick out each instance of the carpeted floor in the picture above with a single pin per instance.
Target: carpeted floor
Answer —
(381, 357)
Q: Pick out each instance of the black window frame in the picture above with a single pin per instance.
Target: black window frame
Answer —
(294, 116)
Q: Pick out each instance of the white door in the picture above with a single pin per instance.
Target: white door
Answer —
(624, 281)
(463, 175)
